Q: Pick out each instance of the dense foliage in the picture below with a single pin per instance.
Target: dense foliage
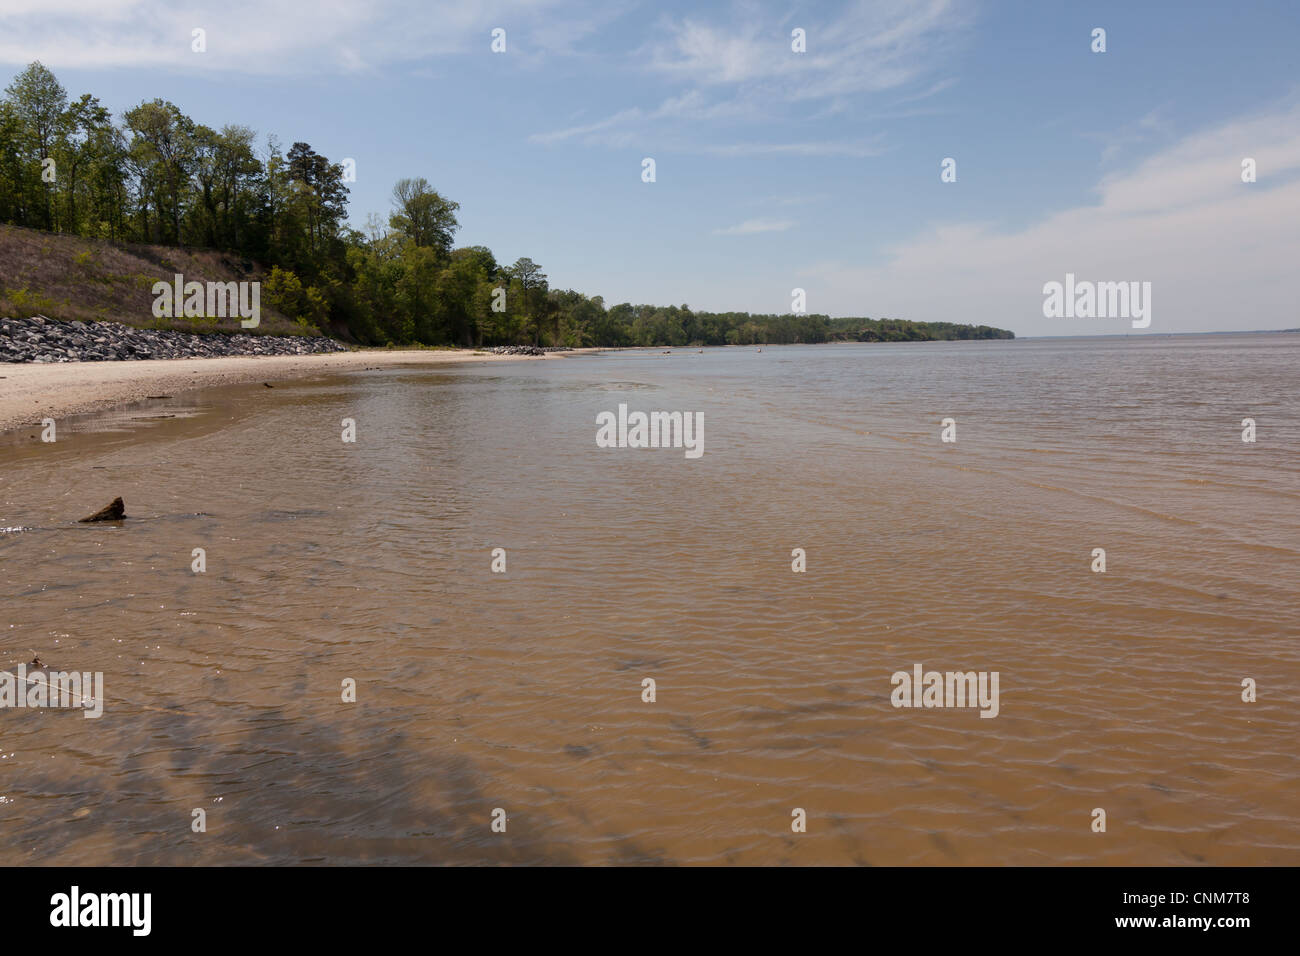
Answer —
(159, 177)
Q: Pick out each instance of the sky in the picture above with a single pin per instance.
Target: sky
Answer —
(774, 169)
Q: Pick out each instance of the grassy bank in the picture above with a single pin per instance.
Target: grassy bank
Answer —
(67, 277)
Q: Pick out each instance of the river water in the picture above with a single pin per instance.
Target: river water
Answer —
(371, 561)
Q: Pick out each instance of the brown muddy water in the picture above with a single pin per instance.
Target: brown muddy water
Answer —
(372, 561)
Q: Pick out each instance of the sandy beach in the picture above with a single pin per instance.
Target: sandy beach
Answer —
(29, 393)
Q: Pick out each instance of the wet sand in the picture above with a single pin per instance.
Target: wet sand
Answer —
(29, 393)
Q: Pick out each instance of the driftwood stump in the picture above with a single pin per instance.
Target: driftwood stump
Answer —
(112, 512)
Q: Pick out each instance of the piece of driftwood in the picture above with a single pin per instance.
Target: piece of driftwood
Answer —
(115, 511)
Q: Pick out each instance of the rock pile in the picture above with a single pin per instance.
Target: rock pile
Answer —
(527, 349)
(39, 339)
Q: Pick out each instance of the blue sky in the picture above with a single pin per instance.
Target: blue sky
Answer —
(774, 170)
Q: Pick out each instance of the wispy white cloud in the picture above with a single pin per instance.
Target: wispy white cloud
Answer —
(626, 128)
(274, 36)
(612, 130)
(1218, 252)
(798, 199)
(1144, 133)
(870, 46)
(737, 66)
(825, 148)
(622, 127)
(752, 226)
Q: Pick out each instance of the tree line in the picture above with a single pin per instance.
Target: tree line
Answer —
(159, 177)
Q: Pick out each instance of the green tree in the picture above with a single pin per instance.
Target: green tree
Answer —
(38, 101)
(319, 198)
(422, 215)
(163, 150)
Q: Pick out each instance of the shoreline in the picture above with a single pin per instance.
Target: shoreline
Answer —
(30, 392)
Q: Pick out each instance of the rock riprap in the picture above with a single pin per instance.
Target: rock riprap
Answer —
(39, 339)
(527, 349)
